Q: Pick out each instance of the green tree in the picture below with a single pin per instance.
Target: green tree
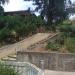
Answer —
(1, 8)
(13, 27)
(71, 9)
(53, 10)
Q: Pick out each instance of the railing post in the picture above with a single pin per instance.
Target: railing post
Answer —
(42, 66)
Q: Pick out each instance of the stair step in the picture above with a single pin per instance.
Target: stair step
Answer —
(8, 59)
(12, 56)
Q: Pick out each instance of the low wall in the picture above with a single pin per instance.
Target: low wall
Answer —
(23, 68)
(53, 61)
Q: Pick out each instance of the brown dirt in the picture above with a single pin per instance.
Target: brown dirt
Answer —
(12, 49)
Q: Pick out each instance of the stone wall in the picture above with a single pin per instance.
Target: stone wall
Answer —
(53, 61)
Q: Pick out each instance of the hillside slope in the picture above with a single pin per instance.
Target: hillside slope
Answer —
(24, 44)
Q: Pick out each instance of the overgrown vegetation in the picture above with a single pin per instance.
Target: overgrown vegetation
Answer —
(68, 30)
(53, 46)
(65, 40)
(70, 44)
(12, 28)
(6, 70)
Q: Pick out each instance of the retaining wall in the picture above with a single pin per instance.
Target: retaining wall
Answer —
(52, 61)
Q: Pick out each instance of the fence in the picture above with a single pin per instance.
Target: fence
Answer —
(23, 68)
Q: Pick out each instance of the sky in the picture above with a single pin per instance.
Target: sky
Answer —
(15, 5)
(72, 0)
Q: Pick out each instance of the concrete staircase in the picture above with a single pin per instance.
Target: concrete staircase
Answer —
(9, 58)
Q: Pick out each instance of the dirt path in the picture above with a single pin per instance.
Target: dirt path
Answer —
(12, 49)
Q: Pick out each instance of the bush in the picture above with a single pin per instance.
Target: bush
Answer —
(21, 25)
(64, 28)
(60, 39)
(72, 31)
(5, 70)
(70, 44)
(3, 34)
(68, 30)
(53, 46)
(67, 22)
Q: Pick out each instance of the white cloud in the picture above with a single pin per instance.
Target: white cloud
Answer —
(73, 0)
(72, 17)
(15, 5)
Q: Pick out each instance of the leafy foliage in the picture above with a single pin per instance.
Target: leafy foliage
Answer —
(53, 46)
(13, 27)
(70, 44)
(53, 10)
(68, 30)
(1, 8)
(6, 70)
(3, 1)
(62, 43)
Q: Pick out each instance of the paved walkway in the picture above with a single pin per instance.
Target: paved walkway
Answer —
(12, 49)
(49, 72)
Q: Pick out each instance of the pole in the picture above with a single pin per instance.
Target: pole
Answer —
(42, 66)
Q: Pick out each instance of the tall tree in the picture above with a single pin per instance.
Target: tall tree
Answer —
(1, 8)
(71, 9)
(53, 10)
(3, 1)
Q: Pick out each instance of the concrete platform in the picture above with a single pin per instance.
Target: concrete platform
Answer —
(49, 72)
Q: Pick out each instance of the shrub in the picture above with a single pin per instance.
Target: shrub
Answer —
(70, 44)
(60, 39)
(67, 22)
(5, 70)
(53, 46)
(3, 34)
(64, 28)
(72, 31)
(21, 25)
(68, 30)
